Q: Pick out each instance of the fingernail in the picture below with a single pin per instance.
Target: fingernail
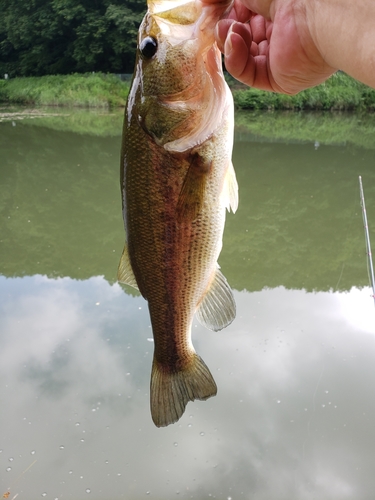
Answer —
(216, 31)
(218, 35)
(228, 44)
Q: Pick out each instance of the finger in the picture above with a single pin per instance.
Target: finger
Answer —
(243, 65)
(238, 12)
(222, 28)
(269, 26)
(254, 49)
(258, 27)
(221, 31)
(238, 57)
(242, 13)
(263, 48)
(262, 79)
(242, 29)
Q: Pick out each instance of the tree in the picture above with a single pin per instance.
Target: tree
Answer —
(39, 37)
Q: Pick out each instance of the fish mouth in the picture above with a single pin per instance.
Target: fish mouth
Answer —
(183, 19)
(162, 6)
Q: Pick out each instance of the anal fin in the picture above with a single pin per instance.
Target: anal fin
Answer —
(171, 391)
(217, 308)
(125, 272)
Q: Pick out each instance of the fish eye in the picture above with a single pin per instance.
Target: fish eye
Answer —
(148, 47)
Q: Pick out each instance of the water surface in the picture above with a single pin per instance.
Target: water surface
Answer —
(294, 413)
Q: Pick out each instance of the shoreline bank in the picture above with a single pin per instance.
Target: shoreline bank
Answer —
(99, 90)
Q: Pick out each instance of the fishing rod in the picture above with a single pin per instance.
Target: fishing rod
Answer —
(367, 237)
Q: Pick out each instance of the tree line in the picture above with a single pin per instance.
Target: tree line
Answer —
(40, 37)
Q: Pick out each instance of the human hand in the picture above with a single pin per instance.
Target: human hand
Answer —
(268, 44)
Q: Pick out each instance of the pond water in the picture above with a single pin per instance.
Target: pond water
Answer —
(294, 415)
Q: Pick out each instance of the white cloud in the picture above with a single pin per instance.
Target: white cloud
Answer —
(293, 412)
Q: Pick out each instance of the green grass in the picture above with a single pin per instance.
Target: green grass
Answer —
(85, 90)
(340, 92)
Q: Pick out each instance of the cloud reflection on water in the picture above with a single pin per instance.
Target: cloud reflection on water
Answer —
(292, 418)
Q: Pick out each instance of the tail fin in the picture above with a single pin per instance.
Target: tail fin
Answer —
(171, 391)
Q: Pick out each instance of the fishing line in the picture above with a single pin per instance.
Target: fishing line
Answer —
(370, 267)
(354, 220)
(342, 271)
(7, 493)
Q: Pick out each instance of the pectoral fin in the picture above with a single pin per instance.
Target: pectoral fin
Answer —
(125, 272)
(190, 201)
(231, 189)
(218, 308)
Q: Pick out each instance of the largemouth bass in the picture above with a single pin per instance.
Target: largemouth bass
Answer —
(177, 180)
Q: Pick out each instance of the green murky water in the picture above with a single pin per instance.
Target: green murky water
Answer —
(294, 413)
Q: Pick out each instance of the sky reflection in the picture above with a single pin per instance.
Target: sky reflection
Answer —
(293, 417)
